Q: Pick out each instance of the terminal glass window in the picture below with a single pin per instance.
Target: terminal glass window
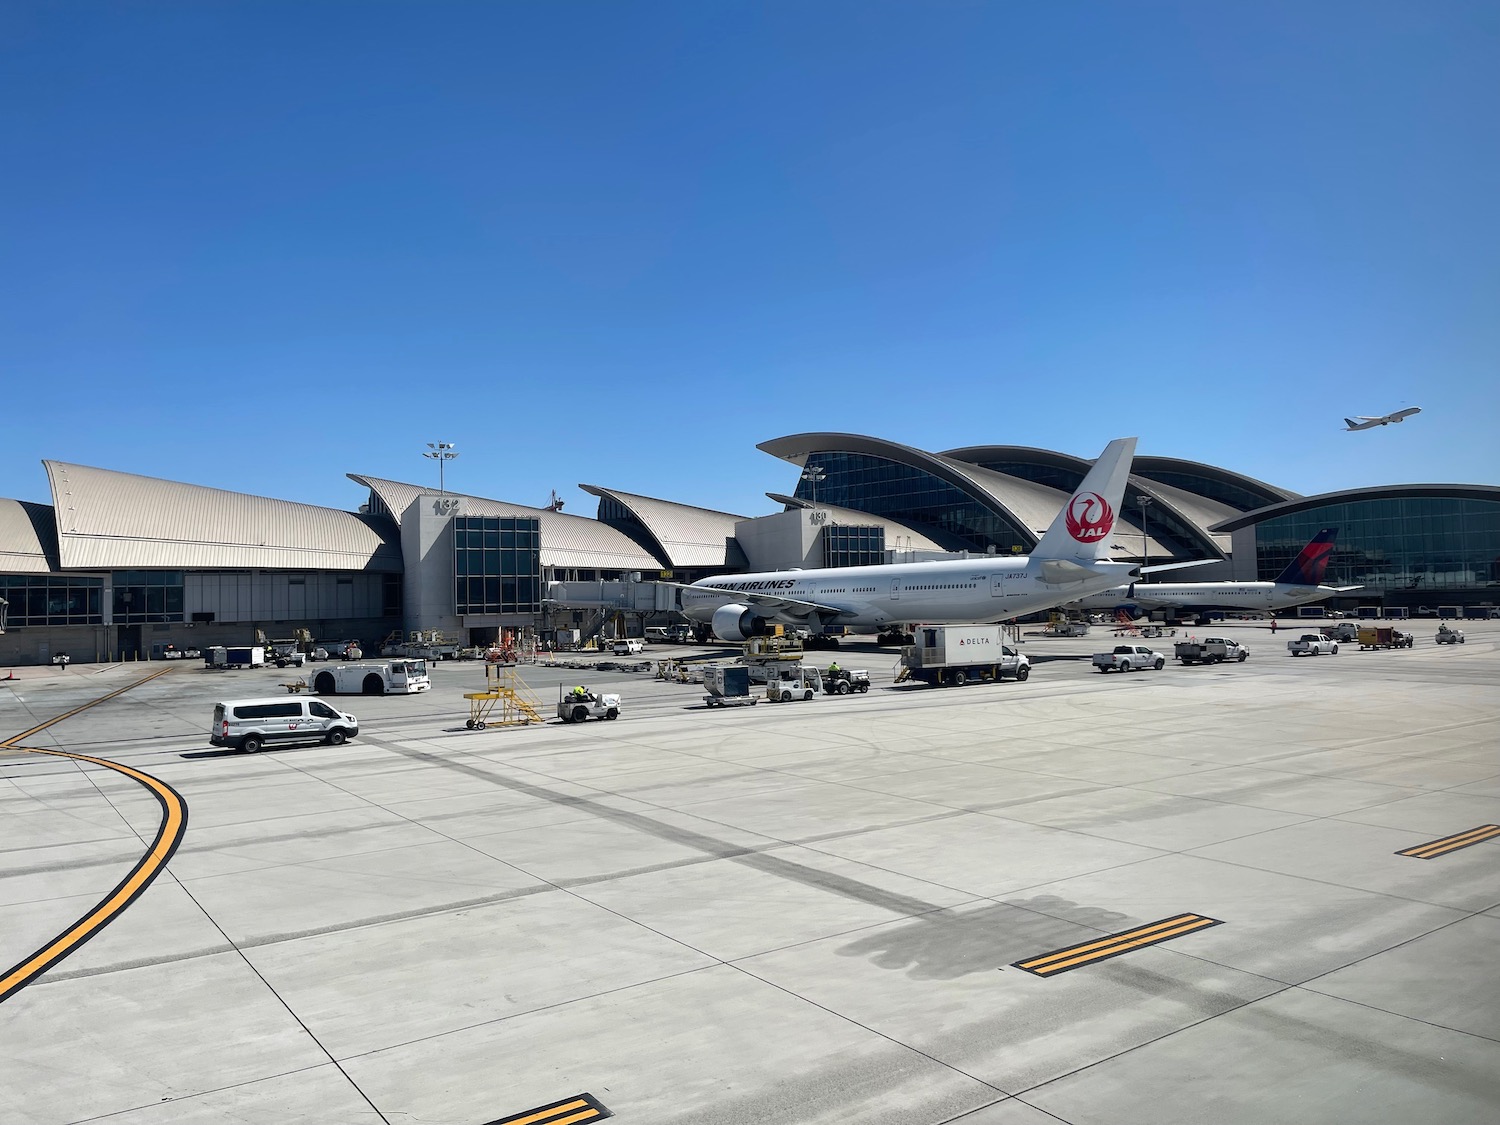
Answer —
(883, 487)
(43, 599)
(146, 596)
(1415, 543)
(497, 565)
(853, 546)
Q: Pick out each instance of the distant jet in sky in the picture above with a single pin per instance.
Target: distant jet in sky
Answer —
(1364, 421)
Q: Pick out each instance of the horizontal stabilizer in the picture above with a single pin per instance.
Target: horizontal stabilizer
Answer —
(1060, 572)
(1177, 565)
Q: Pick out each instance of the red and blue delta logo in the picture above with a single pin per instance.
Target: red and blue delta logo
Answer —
(1089, 517)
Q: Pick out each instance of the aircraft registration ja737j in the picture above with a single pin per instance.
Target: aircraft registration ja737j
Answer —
(1070, 561)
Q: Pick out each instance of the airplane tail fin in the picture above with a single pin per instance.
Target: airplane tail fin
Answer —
(1351, 423)
(1311, 563)
(1082, 531)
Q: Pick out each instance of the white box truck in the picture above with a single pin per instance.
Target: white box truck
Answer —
(961, 654)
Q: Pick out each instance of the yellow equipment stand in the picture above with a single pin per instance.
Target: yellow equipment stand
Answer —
(517, 705)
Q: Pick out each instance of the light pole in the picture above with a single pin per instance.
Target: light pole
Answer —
(813, 474)
(1144, 502)
(440, 451)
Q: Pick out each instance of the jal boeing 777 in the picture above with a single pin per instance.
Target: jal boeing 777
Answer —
(1070, 561)
(1300, 582)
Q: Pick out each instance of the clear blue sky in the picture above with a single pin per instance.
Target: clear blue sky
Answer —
(258, 245)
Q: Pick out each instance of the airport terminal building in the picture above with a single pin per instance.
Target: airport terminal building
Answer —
(120, 566)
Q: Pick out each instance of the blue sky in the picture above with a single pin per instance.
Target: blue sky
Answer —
(257, 245)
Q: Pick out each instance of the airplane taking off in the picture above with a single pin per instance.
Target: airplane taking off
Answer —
(1071, 560)
(1300, 582)
(1364, 421)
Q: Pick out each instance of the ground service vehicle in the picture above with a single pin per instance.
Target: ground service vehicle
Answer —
(1449, 636)
(728, 687)
(1129, 658)
(574, 706)
(1346, 632)
(374, 677)
(841, 681)
(239, 656)
(787, 682)
(1313, 644)
(1383, 637)
(626, 646)
(1210, 650)
(958, 654)
(249, 724)
(284, 654)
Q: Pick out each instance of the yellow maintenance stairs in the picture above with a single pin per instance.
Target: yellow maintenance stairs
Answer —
(507, 690)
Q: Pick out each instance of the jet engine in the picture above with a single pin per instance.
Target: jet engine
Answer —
(737, 622)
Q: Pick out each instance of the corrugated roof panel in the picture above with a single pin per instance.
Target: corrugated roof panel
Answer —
(690, 536)
(27, 541)
(567, 540)
(112, 520)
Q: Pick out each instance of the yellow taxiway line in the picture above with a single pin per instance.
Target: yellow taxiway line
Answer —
(168, 836)
(1090, 952)
(1434, 848)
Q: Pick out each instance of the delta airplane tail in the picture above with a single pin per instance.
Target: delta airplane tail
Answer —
(1308, 568)
(1082, 531)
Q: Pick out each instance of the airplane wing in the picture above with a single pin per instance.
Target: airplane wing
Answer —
(1346, 589)
(766, 601)
(1407, 413)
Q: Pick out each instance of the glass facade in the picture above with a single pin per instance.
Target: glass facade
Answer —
(497, 564)
(616, 515)
(142, 596)
(853, 546)
(911, 495)
(1413, 544)
(43, 599)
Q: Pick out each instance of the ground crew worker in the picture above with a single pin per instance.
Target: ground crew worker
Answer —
(580, 693)
(833, 669)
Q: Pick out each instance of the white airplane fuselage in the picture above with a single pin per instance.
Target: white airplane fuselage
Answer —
(1247, 596)
(875, 597)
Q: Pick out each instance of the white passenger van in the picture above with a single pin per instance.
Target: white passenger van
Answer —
(248, 724)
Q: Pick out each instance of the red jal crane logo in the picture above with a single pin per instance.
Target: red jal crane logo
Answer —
(1089, 517)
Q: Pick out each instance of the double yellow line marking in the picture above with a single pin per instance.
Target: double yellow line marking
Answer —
(585, 1107)
(168, 836)
(1447, 844)
(1076, 956)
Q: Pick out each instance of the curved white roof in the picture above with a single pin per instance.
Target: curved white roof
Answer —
(25, 536)
(687, 536)
(114, 521)
(567, 541)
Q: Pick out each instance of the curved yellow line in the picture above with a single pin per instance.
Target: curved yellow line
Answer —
(168, 836)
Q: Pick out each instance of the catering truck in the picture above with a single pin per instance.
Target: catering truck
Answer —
(956, 655)
(372, 677)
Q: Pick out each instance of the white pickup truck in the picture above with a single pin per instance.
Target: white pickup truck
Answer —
(1210, 650)
(1128, 658)
(1313, 644)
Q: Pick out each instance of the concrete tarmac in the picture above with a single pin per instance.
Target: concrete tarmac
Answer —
(791, 913)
